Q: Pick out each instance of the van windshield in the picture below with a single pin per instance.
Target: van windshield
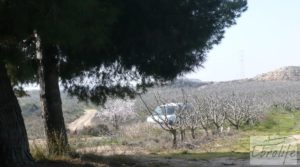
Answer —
(165, 110)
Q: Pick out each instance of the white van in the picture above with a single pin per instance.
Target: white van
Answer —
(165, 113)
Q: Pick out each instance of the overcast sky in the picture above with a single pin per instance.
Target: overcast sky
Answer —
(266, 37)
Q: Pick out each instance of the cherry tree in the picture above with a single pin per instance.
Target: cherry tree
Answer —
(117, 112)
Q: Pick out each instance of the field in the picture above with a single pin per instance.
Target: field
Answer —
(273, 109)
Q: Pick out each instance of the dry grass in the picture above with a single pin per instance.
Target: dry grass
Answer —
(151, 143)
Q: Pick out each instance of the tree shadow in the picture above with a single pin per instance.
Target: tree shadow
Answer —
(92, 160)
(172, 159)
(112, 161)
(65, 163)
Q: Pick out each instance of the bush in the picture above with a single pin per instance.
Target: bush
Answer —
(99, 130)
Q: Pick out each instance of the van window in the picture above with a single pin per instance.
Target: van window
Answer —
(158, 111)
(165, 110)
(170, 110)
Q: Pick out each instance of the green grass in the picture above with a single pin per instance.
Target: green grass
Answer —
(279, 122)
(276, 122)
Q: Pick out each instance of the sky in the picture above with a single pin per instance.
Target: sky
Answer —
(265, 38)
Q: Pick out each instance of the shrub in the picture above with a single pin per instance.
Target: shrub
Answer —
(98, 130)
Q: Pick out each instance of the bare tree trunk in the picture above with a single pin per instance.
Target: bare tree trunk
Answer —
(218, 129)
(14, 147)
(193, 133)
(55, 129)
(235, 124)
(174, 133)
(206, 131)
(116, 122)
(182, 134)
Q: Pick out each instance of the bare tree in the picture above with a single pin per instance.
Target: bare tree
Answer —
(118, 111)
(170, 125)
(237, 109)
(216, 111)
(201, 116)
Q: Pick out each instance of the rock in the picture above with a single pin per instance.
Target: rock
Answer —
(290, 73)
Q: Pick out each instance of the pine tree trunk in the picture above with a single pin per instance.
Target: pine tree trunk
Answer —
(14, 147)
(55, 129)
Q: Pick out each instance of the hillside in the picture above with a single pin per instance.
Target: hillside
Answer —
(72, 109)
(290, 73)
(185, 82)
(30, 105)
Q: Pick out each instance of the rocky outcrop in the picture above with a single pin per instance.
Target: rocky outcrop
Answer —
(291, 73)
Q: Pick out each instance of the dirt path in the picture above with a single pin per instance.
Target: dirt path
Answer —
(137, 158)
(214, 162)
(175, 162)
